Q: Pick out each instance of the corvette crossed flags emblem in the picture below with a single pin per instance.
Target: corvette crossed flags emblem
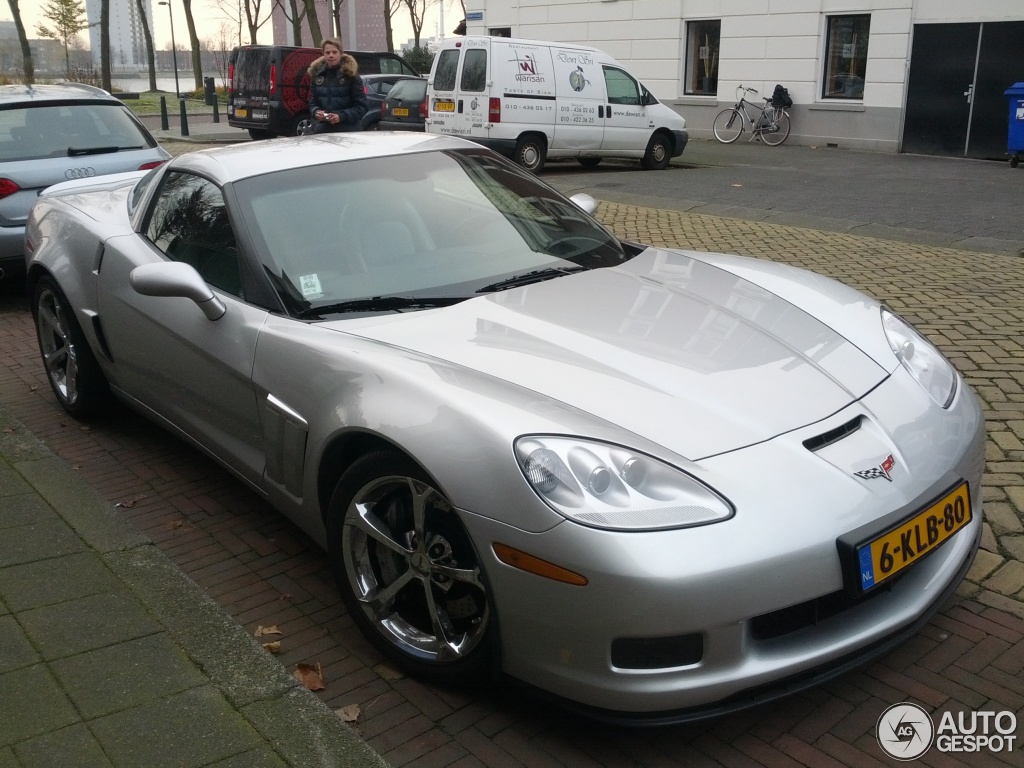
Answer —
(882, 470)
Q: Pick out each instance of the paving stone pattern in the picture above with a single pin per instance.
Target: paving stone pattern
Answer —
(263, 571)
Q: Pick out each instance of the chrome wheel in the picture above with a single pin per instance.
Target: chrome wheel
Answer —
(60, 356)
(412, 571)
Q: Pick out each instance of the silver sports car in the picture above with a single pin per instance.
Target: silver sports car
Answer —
(656, 484)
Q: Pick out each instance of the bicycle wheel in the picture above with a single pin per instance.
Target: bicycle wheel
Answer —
(728, 125)
(779, 132)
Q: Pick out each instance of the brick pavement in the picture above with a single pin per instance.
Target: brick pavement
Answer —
(263, 571)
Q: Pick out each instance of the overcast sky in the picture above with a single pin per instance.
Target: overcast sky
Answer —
(208, 19)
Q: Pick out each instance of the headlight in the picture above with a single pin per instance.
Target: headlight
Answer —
(922, 359)
(607, 486)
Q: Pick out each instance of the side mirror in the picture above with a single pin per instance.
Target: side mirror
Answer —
(584, 202)
(175, 278)
(645, 97)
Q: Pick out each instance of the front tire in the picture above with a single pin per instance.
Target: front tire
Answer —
(407, 570)
(728, 125)
(531, 151)
(71, 368)
(659, 152)
(776, 137)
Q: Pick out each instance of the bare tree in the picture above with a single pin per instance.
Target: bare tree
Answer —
(294, 11)
(313, 22)
(231, 11)
(28, 69)
(193, 38)
(148, 35)
(105, 44)
(66, 16)
(389, 31)
(417, 13)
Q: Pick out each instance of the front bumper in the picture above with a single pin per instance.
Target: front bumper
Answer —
(724, 583)
(680, 139)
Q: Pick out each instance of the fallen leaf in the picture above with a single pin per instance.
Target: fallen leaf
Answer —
(85, 428)
(274, 647)
(131, 502)
(33, 388)
(737, 185)
(349, 714)
(10, 430)
(310, 675)
(284, 596)
(388, 671)
(271, 630)
(174, 524)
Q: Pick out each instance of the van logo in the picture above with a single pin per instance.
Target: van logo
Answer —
(528, 72)
(577, 79)
(474, 104)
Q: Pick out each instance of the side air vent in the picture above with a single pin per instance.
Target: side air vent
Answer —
(833, 435)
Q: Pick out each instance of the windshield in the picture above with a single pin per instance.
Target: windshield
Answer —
(433, 225)
(69, 130)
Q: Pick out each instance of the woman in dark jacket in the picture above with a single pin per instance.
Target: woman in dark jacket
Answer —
(337, 98)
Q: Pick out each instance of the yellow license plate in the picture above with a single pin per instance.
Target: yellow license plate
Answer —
(444, 106)
(241, 113)
(400, 112)
(888, 554)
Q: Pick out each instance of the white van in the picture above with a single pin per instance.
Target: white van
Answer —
(530, 100)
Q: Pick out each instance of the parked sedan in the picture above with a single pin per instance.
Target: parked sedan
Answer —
(51, 133)
(405, 108)
(378, 87)
(657, 484)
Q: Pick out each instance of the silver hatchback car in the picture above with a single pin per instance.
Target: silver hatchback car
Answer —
(52, 133)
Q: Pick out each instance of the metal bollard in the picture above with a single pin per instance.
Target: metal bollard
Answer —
(184, 117)
(164, 124)
(216, 113)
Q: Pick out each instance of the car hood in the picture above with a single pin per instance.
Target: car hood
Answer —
(682, 352)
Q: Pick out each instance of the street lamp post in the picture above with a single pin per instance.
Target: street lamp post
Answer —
(174, 47)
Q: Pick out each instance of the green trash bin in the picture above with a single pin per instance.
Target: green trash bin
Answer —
(1015, 135)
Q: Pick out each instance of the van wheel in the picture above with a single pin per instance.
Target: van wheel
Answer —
(258, 134)
(303, 125)
(659, 152)
(530, 152)
(589, 162)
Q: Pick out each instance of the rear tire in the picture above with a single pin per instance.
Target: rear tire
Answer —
(531, 151)
(774, 138)
(303, 125)
(589, 162)
(728, 125)
(659, 152)
(258, 134)
(71, 368)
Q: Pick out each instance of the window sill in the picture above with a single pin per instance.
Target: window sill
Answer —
(837, 106)
(710, 101)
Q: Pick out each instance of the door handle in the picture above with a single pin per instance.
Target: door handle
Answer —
(969, 93)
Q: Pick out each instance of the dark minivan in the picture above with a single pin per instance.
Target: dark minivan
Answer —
(269, 86)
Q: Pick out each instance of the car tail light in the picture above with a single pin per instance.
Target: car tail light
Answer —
(273, 79)
(383, 108)
(494, 110)
(151, 165)
(231, 80)
(423, 109)
(8, 187)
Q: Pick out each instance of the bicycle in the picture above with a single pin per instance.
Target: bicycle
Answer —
(769, 123)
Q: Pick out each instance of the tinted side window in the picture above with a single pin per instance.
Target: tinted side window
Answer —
(622, 89)
(474, 70)
(189, 223)
(447, 66)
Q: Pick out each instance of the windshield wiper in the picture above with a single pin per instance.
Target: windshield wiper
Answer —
(537, 276)
(78, 152)
(380, 304)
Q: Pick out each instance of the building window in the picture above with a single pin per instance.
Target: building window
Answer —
(846, 57)
(703, 39)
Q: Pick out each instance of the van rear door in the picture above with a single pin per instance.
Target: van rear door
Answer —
(251, 86)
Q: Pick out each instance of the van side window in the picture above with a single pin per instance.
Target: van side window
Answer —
(622, 89)
(474, 70)
(447, 65)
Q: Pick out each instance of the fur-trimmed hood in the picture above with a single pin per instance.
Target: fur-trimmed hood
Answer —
(349, 67)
